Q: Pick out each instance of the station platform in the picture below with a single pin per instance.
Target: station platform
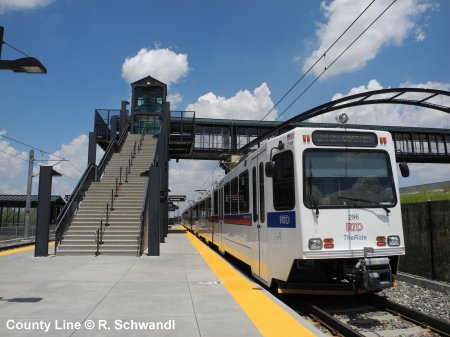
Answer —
(189, 290)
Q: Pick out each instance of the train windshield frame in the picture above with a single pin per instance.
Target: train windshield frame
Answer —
(347, 178)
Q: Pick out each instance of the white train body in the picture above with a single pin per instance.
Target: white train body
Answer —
(327, 219)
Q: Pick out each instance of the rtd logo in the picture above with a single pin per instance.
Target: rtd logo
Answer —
(354, 227)
(285, 219)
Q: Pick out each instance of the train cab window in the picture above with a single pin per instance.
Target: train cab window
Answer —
(227, 197)
(215, 202)
(350, 178)
(262, 207)
(283, 181)
(243, 193)
(234, 196)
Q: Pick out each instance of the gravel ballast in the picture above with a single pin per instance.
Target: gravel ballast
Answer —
(428, 301)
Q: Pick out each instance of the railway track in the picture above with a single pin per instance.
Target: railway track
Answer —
(368, 315)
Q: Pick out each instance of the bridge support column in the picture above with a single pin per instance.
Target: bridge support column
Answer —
(123, 115)
(92, 149)
(154, 214)
(165, 169)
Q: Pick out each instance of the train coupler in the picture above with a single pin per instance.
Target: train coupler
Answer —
(374, 274)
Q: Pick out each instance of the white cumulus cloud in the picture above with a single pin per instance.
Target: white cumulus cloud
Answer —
(11, 5)
(162, 63)
(244, 105)
(393, 27)
(12, 161)
(76, 154)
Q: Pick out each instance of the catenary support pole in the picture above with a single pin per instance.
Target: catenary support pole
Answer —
(26, 229)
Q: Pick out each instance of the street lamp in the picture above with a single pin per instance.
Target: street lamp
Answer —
(28, 64)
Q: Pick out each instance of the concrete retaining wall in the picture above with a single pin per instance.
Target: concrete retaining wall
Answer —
(427, 238)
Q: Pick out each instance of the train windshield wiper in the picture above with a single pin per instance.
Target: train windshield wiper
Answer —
(368, 201)
(311, 196)
(314, 204)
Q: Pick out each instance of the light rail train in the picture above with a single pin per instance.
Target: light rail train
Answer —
(313, 211)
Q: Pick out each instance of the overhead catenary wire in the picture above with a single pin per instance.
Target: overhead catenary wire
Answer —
(35, 164)
(43, 151)
(32, 147)
(334, 61)
(18, 50)
(315, 63)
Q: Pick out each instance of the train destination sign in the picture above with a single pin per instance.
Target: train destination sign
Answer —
(349, 138)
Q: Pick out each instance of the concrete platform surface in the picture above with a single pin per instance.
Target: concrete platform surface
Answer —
(175, 294)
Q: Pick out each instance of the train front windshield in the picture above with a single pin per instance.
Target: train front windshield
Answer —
(347, 178)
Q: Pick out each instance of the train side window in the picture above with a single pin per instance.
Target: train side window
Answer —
(243, 193)
(227, 198)
(262, 206)
(254, 196)
(283, 181)
(208, 207)
(215, 202)
(234, 196)
(203, 208)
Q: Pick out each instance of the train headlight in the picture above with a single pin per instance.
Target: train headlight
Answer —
(393, 240)
(315, 244)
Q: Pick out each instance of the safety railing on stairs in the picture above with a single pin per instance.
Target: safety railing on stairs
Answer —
(92, 173)
(105, 216)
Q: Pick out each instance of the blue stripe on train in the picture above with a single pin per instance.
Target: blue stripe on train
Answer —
(281, 219)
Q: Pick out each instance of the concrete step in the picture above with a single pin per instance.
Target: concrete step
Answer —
(132, 218)
(112, 222)
(122, 252)
(113, 229)
(75, 252)
(122, 204)
(91, 246)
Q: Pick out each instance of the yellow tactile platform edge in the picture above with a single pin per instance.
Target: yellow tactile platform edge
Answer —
(21, 249)
(268, 317)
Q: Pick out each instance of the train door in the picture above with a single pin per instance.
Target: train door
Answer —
(259, 227)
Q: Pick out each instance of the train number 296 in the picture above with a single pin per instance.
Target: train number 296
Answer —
(353, 217)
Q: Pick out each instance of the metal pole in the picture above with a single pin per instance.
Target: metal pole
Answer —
(1, 40)
(26, 230)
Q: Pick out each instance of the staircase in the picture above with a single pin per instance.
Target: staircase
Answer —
(121, 236)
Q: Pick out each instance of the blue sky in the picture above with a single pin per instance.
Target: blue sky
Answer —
(221, 58)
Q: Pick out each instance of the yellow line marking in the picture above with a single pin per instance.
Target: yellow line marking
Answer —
(266, 315)
(21, 249)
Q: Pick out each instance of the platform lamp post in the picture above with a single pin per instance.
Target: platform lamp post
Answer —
(27, 64)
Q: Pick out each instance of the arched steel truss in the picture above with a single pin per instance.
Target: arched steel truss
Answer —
(383, 96)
